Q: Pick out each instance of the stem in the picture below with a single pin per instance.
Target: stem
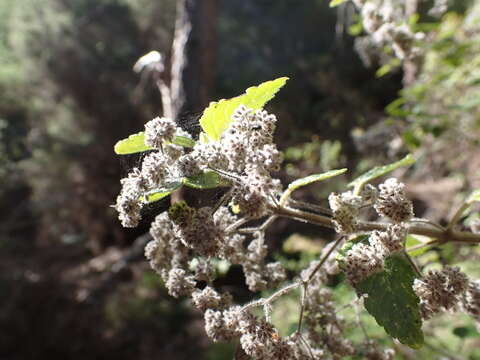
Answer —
(236, 225)
(415, 267)
(442, 236)
(302, 307)
(421, 246)
(458, 215)
(310, 277)
(262, 227)
(312, 207)
(325, 258)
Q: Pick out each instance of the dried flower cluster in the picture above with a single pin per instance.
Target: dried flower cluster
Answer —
(386, 23)
(365, 259)
(440, 290)
(188, 242)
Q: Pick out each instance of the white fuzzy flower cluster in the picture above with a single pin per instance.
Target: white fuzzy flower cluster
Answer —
(371, 351)
(158, 169)
(323, 326)
(185, 236)
(258, 338)
(392, 201)
(245, 154)
(345, 208)
(440, 290)
(363, 260)
(386, 23)
(470, 301)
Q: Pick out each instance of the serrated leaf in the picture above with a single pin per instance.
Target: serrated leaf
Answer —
(334, 3)
(206, 180)
(217, 116)
(133, 144)
(378, 171)
(392, 301)
(162, 193)
(183, 141)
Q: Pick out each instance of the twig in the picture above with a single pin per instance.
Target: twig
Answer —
(312, 207)
(426, 221)
(443, 236)
(414, 265)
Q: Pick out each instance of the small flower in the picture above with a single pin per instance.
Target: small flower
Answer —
(159, 130)
(392, 201)
(345, 209)
(440, 290)
(362, 261)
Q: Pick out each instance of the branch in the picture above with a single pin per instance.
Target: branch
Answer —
(442, 236)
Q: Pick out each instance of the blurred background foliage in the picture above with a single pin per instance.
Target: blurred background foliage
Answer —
(68, 93)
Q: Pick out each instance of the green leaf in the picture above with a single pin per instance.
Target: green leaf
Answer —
(159, 194)
(206, 180)
(308, 180)
(378, 171)
(136, 143)
(313, 178)
(334, 3)
(133, 144)
(413, 241)
(217, 116)
(183, 141)
(392, 301)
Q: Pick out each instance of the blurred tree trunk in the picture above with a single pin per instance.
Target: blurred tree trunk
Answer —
(193, 61)
(193, 56)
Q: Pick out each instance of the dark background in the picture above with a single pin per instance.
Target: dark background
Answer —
(68, 93)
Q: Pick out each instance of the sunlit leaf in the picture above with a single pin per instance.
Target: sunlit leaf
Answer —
(334, 3)
(378, 171)
(133, 144)
(413, 241)
(183, 141)
(308, 180)
(217, 116)
(206, 180)
(159, 194)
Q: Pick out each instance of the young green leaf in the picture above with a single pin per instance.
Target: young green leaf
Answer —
(136, 143)
(414, 241)
(206, 180)
(217, 116)
(159, 194)
(334, 3)
(378, 171)
(183, 141)
(308, 180)
(392, 301)
(133, 144)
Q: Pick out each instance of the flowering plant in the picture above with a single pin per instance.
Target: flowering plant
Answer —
(236, 152)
